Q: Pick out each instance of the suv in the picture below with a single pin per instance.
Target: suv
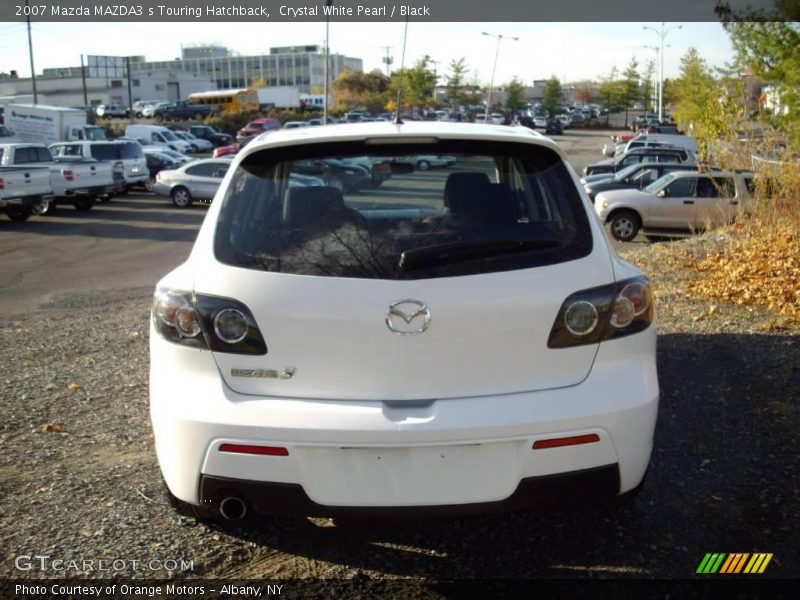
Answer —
(456, 342)
(111, 111)
(637, 155)
(125, 156)
(675, 203)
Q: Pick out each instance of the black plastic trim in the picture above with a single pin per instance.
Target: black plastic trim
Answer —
(548, 491)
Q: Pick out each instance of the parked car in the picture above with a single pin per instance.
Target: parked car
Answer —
(497, 119)
(232, 149)
(149, 111)
(157, 161)
(423, 162)
(157, 135)
(336, 173)
(210, 134)
(540, 121)
(198, 180)
(140, 105)
(554, 126)
(257, 126)
(125, 156)
(182, 110)
(640, 155)
(198, 145)
(637, 176)
(677, 202)
(325, 354)
(111, 111)
(294, 124)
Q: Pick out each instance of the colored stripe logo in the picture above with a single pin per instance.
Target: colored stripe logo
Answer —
(734, 563)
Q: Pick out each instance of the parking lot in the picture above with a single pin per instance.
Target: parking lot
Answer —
(131, 241)
(79, 477)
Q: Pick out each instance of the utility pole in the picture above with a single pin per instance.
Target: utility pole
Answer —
(83, 79)
(30, 53)
(387, 60)
(130, 97)
(499, 38)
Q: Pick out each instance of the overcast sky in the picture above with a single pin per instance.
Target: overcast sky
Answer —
(570, 51)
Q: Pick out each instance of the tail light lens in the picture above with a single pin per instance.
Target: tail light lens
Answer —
(68, 174)
(207, 322)
(603, 313)
(2, 184)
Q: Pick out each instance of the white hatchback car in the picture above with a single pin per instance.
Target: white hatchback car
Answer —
(450, 342)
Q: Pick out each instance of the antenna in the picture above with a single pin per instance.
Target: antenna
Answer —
(397, 119)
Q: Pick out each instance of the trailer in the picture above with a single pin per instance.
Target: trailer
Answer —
(278, 97)
(44, 124)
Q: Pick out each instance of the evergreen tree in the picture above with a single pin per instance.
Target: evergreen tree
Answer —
(553, 96)
(515, 95)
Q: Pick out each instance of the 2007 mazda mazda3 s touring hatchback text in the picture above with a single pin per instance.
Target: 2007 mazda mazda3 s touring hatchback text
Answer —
(445, 341)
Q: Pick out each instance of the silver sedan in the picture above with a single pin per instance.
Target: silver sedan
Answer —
(197, 180)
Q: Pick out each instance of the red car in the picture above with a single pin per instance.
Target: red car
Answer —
(257, 126)
(232, 148)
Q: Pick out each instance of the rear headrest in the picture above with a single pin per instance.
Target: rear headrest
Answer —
(313, 207)
(463, 190)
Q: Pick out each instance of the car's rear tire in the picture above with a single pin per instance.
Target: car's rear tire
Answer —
(83, 203)
(19, 214)
(149, 184)
(624, 225)
(198, 116)
(44, 208)
(423, 165)
(159, 118)
(181, 197)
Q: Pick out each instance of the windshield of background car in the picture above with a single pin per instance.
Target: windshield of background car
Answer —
(169, 136)
(659, 183)
(105, 151)
(626, 172)
(369, 211)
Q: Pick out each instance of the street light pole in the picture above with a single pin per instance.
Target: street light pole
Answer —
(661, 33)
(657, 87)
(499, 38)
(327, 66)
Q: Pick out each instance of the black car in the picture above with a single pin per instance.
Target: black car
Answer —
(157, 161)
(212, 135)
(554, 126)
(639, 155)
(636, 176)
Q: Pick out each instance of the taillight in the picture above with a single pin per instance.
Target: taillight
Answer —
(208, 322)
(2, 184)
(602, 313)
(68, 174)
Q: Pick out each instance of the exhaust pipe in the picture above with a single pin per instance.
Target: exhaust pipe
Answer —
(232, 508)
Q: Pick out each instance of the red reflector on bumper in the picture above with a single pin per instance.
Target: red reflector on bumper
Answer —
(263, 450)
(574, 440)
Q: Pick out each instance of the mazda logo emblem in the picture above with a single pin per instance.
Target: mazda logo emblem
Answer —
(408, 317)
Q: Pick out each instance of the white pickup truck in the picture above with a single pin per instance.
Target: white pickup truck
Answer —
(22, 190)
(79, 182)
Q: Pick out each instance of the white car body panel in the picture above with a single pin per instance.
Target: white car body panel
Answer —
(372, 419)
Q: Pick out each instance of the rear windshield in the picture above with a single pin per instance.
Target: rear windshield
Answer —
(401, 211)
(105, 151)
(131, 150)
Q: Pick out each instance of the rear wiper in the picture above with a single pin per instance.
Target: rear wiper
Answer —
(468, 250)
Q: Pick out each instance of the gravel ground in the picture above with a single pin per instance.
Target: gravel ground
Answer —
(79, 479)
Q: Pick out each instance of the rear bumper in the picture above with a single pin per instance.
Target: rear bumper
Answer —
(544, 492)
(359, 455)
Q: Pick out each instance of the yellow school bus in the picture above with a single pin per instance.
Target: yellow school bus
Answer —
(227, 100)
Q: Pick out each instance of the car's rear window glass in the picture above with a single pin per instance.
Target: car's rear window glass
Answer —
(388, 211)
(105, 151)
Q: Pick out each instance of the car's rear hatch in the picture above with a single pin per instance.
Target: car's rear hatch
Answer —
(403, 298)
